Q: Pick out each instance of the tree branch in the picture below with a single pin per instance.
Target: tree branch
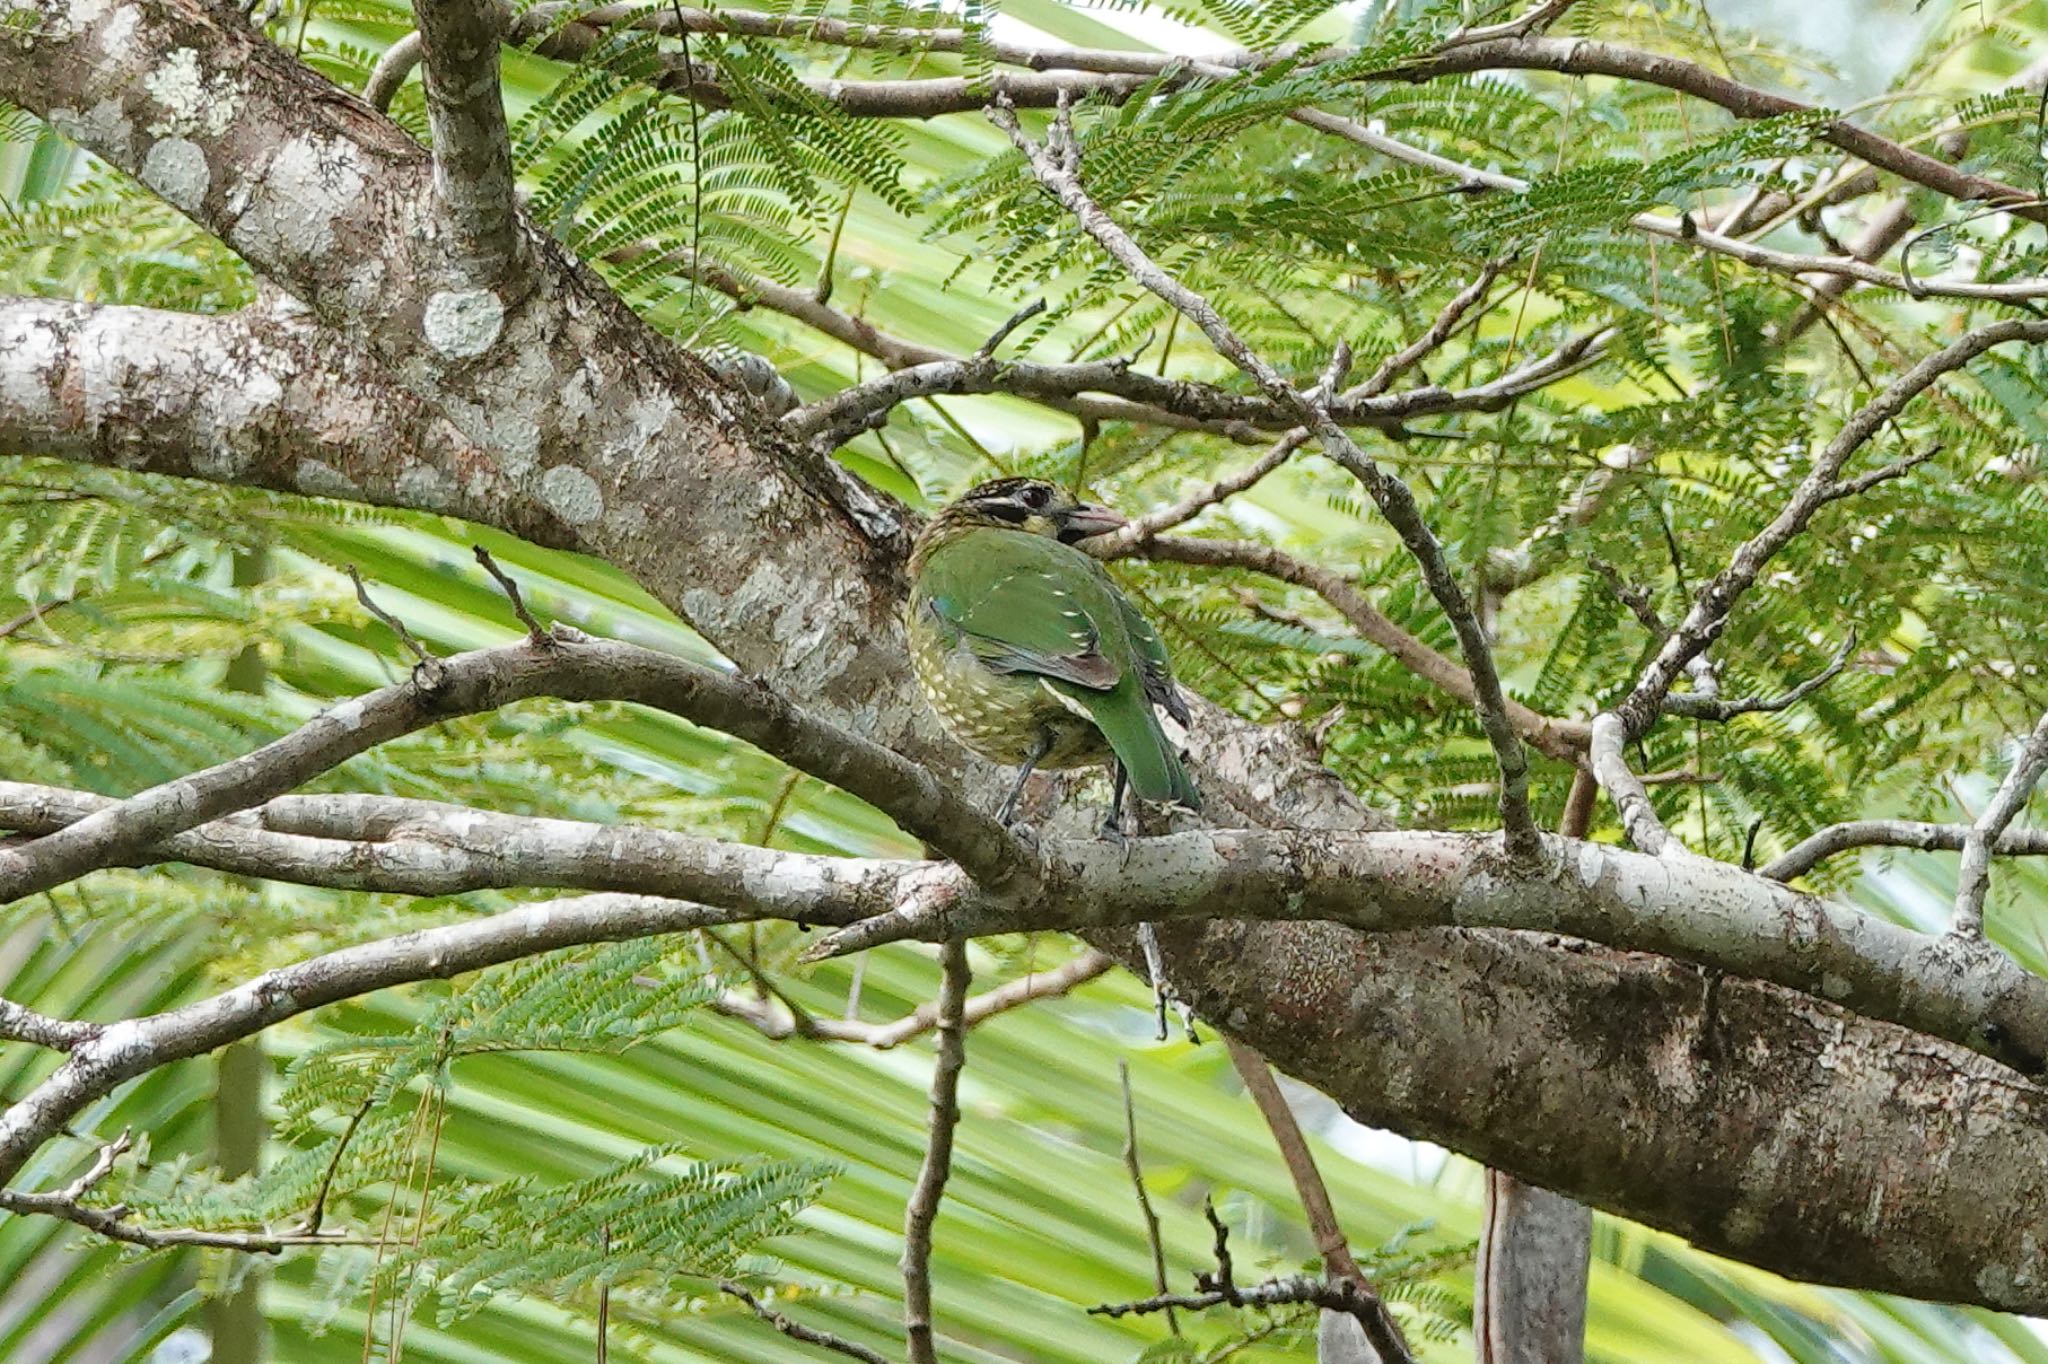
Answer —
(1588, 57)
(1697, 706)
(1564, 740)
(472, 146)
(923, 1209)
(1816, 848)
(569, 666)
(117, 1052)
(394, 845)
(264, 398)
(796, 1330)
(833, 421)
(778, 1024)
(1631, 798)
(1973, 878)
(1381, 1331)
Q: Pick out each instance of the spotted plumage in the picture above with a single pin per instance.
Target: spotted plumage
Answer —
(1028, 651)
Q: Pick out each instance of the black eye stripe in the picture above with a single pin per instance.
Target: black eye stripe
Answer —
(1007, 511)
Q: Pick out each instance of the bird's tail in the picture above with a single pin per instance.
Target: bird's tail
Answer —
(1127, 720)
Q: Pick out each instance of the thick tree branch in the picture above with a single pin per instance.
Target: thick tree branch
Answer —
(1973, 877)
(399, 846)
(265, 397)
(1691, 908)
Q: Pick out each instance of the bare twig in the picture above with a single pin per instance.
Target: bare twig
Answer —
(1150, 1218)
(1220, 1289)
(1816, 848)
(1142, 530)
(1973, 878)
(1694, 706)
(1014, 321)
(1381, 1331)
(1564, 740)
(779, 1024)
(421, 654)
(1147, 397)
(1438, 332)
(796, 1330)
(535, 631)
(1054, 164)
(923, 1209)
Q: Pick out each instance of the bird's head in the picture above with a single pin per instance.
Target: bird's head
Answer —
(1031, 505)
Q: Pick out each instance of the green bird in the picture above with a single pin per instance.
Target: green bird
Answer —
(1030, 654)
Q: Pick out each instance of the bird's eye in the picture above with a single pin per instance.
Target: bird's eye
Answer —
(1033, 497)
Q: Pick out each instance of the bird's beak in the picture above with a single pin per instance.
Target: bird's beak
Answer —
(1078, 523)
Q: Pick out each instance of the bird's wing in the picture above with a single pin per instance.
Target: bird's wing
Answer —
(1158, 669)
(1021, 604)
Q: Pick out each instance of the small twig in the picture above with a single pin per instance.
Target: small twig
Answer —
(112, 1223)
(923, 1208)
(319, 1209)
(1338, 1263)
(1694, 706)
(1412, 354)
(1151, 1219)
(796, 1330)
(1016, 320)
(535, 631)
(1973, 879)
(391, 622)
(1142, 530)
(779, 1024)
(1162, 989)
(1823, 484)
(604, 1299)
(1224, 1279)
(102, 1166)
(1220, 1289)
(1635, 598)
